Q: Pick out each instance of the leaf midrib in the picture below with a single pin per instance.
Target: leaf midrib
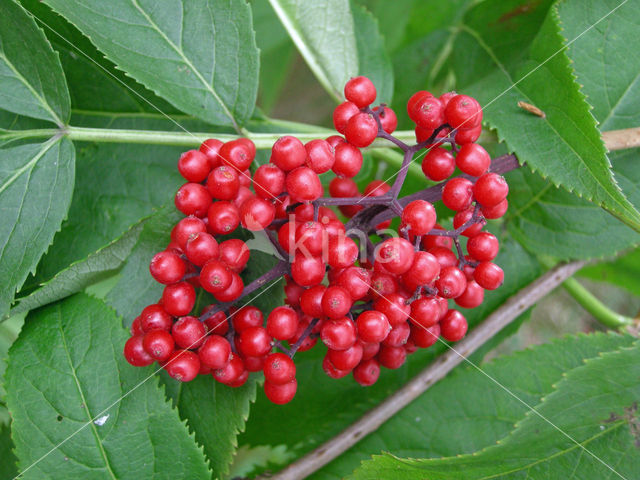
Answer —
(23, 80)
(180, 52)
(81, 393)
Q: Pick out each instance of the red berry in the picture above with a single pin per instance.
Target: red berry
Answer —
(288, 153)
(361, 91)
(424, 269)
(154, 317)
(453, 326)
(257, 214)
(159, 344)
(445, 257)
(183, 365)
(457, 194)
(307, 271)
(320, 157)
(282, 323)
(394, 307)
(201, 248)
(341, 115)
(178, 299)
(268, 181)
(451, 283)
(185, 228)
(246, 317)
(472, 297)
(431, 241)
(311, 301)
(234, 290)
(361, 130)
(194, 166)
(346, 359)
(167, 267)
(473, 160)
(419, 216)
(215, 276)
(254, 342)
(304, 185)
(372, 326)
(395, 255)
(231, 371)
(135, 353)
(238, 154)
(382, 284)
(398, 335)
(468, 135)
(391, 357)
(216, 323)
(342, 252)
(438, 164)
(210, 148)
(414, 101)
(343, 188)
(136, 326)
(388, 119)
(193, 199)
(490, 189)
(338, 334)
(234, 253)
(215, 352)
(463, 111)
(223, 217)
(462, 217)
(279, 369)
(425, 312)
(188, 332)
(483, 247)
(367, 372)
(310, 238)
(336, 302)
(425, 337)
(488, 275)
(355, 280)
(223, 183)
(429, 113)
(348, 162)
(281, 394)
(496, 211)
(254, 364)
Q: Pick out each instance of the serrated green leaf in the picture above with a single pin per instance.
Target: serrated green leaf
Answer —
(605, 62)
(373, 60)
(622, 271)
(215, 413)
(200, 55)
(8, 468)
(518, 55)
(31, 79)
(65, 369)
(116, 186)
(303, 424)
(36, 182)
(323, 31)
(81, 274)
(588, 424)
(551, 221)
(447, 421)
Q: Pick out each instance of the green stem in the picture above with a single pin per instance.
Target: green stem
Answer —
(590, 303)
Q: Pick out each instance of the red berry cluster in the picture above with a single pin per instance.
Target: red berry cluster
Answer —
(370, 304)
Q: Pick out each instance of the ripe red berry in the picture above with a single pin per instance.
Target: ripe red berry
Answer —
(342, 252)
(462, 217)
(346, 360)
(282, 323)
(394, 307)
(257, 214)
(154, 317)
(419, 216)
(361, 130)
(310, 238)
(281, 394)
(372, 326)
(361, 91)
(320, 156)
(429, 113)
(194, 166)
(238, 154)
(355, 280)
(234, 290)
(425, 312)
(215, 276)
(307, 271)
(159, 344)
(438, 164)
(367, 372)
(451, 283)
(445, 257)
(391, 357)
(135, 353)
(414, 101)
(167, 267)
(216, 323)
(398, 335)
(395, 255)
(178, 299)
(279, 369)
(215, 352)
(388, 119)
(343, 187)
(210, 148)
(453, 326)
(431, 241)
(188, 332)
(193, 199)
(488, 275)
(496, 211)
(338, 334)
(473, 160)
(201, 247)
(254, 342)
(246, 317)
(483, 247)
(425, 337)
(288, 153)
(183, 365)
(472, 297)
(463, 111)
(311, 301)
(424, 269)
(183, 230)
(231, 371)
(336, 302)
(348, 162)
(457, 194)
(342, 113)
(268, 181)
(224, 217)
(468, 135)
(490, 189)
(303, 185)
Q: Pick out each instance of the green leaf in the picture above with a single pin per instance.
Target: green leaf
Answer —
(215, 413)
(9, 331)
(116, 186)
(303, 424)
(551, 221)
(588, 424)
(518, 56)
(622, 271)
(36, 182)
(373, 60)
(200, 55)
(605, 62)
(66, 371)
(81, 274)
(447, 421)
(324, 33)
(31, 79)
(8, 468)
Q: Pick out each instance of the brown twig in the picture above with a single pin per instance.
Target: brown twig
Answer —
(373, 419)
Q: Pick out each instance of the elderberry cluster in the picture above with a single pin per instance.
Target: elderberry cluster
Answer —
(371, 294)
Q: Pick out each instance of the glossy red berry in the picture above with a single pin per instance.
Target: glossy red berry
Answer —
(391, 357)
(281, 394)
(453, 326)
(438, 164)
(457, 194)
(342, 113)
(425, 337)
(215, 352)
(342, 252)
(338, 334)
(254, 342)
(355, 280)
(257, 214)
(246, 317)
(372, 326)
(210, 148)
(419, 216)
(464, 216)
(429, 113)
(215, 277)
(361, 130)
(468, 135)
(394, 307)
(188, 332)
(367, 372)
(186, 227)
(414, 101)
(488, 275)
(135, 353)
(398, 335)
(183, 365)
(155, 317)
(473, 160)
(483, 247)
(320, 156)
(282, 323)
(346, 360)
(496, 211)
(310, 238)
(348, 162)
(159, 344)
(395, 255)
(336, 302)
(361, 91)
(201, 247)
(303, 185)
(178, 299)
(167, 267)
(424, 269)
(234, 253)
(451, 283)
(490, 189)
(230, 372)
(288, 153)
(194, 166)
(425, 312)
(223, 183)
(307, 271)
(238, 154)
(388, 119)
(224, 217)
(234, 290)
(472, 297)
(193, 199)
(279, 369)
(463, 112)
(268, 181)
